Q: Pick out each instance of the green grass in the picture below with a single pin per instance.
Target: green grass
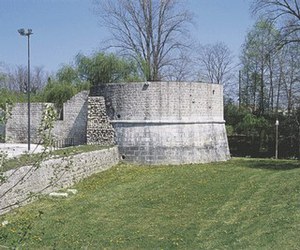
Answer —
(240, 204)
(30, 159)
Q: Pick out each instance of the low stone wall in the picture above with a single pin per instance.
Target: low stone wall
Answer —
(52, 175)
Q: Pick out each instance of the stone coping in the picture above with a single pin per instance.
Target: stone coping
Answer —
(168, 122)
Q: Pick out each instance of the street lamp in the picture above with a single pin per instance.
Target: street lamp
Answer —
(276, 146)
(27, 32)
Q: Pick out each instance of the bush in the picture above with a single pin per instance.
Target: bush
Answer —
(58, 93)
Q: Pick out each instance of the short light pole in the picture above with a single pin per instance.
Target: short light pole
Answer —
(27, 32)
(276, 139)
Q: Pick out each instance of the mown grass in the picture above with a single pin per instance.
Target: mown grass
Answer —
(239, 204)
(30, 159)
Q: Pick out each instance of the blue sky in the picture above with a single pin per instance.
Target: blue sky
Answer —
(63, 28)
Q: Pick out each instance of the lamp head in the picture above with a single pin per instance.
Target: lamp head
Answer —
(21, 32)
(25, 32)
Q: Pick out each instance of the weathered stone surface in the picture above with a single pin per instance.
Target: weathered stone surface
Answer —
(73, 125)
(53, 175)
(17, 124)
(74, 121)
(152, 122)
(167, 122)
(172, 143)
(99, 129)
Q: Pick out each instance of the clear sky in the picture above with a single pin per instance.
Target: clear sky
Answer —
(63, 28)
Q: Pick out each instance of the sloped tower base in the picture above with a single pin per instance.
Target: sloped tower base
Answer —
(172, 143)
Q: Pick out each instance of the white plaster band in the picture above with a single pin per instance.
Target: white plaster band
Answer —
(168, 122)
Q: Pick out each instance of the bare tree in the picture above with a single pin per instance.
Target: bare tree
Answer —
(182, 68)
(259, 65)
(39, 78)
(285, 12)
(290, 77)
(215, 62)
(153, 32)
(3, 76)
(16, 78)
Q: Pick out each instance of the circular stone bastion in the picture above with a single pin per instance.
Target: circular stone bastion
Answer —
(167, 122)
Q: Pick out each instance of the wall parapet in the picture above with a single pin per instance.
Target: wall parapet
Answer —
(52, 175)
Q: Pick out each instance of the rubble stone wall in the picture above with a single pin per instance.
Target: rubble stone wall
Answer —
(99, 128)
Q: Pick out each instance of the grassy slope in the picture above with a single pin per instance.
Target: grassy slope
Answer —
(240, 204)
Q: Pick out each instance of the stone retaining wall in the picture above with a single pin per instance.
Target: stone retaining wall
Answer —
(52, 175)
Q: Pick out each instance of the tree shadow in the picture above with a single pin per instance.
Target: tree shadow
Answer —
(270, 164)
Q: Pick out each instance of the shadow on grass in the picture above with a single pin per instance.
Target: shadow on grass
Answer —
(271, 164)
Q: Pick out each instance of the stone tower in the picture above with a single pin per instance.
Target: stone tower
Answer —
(165, 122)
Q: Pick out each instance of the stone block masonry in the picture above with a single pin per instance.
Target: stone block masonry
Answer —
(17, 125)
(162, 101)
(172, 143)
(167, 122)
(52, 175)
(73, 125)
(151, 122)
(74, 122)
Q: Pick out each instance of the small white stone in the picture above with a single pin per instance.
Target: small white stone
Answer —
(72, 191)
(4, 223)
(60, 195)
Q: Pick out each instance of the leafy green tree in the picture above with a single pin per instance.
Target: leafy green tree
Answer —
(252, 125)
(249, 134)
(58, 92)
(68, 74)
(105, 68)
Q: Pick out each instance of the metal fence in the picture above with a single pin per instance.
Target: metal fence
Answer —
(63, 143)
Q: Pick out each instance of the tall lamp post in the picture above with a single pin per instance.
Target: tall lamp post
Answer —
(276, 146)
(27, 32)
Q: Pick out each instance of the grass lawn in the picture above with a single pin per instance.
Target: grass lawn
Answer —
(239, 204)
